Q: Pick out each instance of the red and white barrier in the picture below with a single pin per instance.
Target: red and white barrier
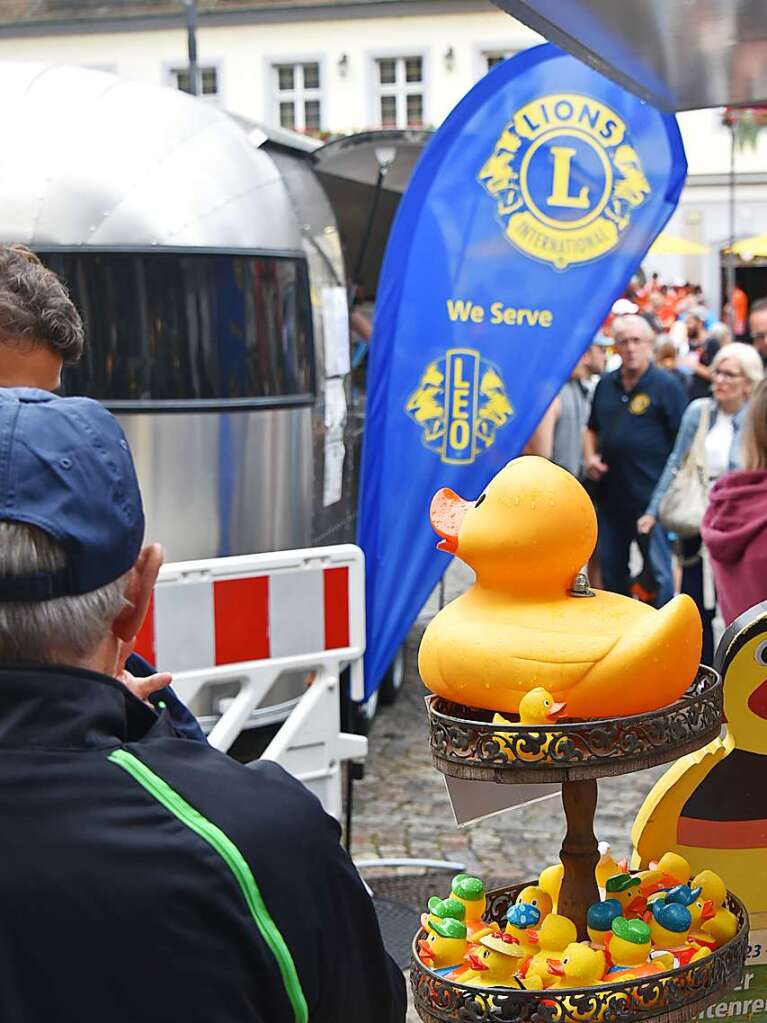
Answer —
(247, 620)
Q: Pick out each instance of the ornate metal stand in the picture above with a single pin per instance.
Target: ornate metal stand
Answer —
(670, 997)
(466, 744)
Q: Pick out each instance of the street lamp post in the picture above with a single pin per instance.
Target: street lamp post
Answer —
(190, 13)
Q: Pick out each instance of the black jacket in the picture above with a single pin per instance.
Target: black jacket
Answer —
(148, 879)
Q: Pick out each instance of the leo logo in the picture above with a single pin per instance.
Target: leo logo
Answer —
(565, 179)
(639, 404)
(460, 403)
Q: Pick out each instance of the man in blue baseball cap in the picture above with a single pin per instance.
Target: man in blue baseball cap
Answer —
(40, 333)
(143, 878)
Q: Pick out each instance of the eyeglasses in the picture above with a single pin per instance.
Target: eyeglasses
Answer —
(726, 374)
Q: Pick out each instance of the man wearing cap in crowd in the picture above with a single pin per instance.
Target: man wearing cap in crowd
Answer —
(40, 333)
(635, 416)
(144, 877)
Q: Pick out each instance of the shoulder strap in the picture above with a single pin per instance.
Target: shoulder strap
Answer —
(698, 449)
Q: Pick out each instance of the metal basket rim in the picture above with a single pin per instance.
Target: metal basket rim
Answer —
(711, 679)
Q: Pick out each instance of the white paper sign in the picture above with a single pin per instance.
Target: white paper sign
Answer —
(335, 325)
(335, 406)
(334, 471)
(475, 800)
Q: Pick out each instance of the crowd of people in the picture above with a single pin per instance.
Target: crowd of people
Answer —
(665, 421)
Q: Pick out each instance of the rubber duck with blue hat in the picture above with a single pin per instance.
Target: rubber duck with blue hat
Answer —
(521, 920)
(599, 920)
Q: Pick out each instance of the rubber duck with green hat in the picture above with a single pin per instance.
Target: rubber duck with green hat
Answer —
(625, 889)
(441, 909)
(628, 946)
(470, 891)
(445, 945)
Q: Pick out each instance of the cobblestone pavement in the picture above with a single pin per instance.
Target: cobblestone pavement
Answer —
(401, 807)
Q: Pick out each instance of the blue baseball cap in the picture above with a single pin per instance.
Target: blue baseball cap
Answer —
(65, 467)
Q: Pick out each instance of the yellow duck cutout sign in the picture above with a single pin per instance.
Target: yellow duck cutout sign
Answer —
(711, 806)
(519, 627)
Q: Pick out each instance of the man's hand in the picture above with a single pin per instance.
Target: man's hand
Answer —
(646, 524)
(140, 687)
(595, 467)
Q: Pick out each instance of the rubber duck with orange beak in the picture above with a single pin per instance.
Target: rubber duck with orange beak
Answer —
(522, 625)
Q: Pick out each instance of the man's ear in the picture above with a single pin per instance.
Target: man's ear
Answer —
(138, 593)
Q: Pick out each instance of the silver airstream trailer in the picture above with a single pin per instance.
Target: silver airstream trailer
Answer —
(205, 260)
(204, 257)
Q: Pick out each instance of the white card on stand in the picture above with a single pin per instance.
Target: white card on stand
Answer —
(475, 800)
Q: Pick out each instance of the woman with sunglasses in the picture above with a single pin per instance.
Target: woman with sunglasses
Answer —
(736, 370)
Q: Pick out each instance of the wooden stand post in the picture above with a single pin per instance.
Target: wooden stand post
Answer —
(580, 853)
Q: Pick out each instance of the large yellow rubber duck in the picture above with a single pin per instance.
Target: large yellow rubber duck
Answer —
(711, 806)
(519, 627)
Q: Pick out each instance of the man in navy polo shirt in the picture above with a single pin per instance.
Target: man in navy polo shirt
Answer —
(634, 420)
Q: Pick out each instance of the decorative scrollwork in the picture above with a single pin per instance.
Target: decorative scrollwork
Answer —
(465, 742)
(676, 995)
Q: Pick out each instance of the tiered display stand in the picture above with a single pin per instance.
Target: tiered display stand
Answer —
(466, 744)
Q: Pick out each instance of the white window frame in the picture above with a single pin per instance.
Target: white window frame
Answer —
(172, 69)
(298, 95)
(495, 49)
(401, 89)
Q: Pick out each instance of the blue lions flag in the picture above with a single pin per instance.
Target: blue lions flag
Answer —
(528, 213)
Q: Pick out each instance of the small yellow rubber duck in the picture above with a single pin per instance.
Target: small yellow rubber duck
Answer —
(539, 898)
(538, 707)
(625, 889)
(629, 945)
(550, 879)
(470, 892)
(440, 909)
(519, 627)
(521, 921)
(722, 924)
(580, 966)
(607, 866)
(711, 806)
(494, 963)
(445, 946)
(555, 934)
(599, 920)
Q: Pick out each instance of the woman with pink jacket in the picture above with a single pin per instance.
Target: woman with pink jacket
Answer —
(734, 527)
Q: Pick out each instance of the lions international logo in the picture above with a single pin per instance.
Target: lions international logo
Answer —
(639, 404)
(460, 403)
(565, 179)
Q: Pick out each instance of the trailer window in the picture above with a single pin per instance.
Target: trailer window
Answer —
(172, 327)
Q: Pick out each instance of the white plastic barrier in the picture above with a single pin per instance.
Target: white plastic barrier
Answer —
(246, 620)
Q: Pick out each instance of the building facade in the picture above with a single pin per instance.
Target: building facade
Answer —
(331, 67)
